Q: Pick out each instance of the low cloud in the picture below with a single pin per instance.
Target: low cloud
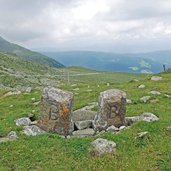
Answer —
(86, 24)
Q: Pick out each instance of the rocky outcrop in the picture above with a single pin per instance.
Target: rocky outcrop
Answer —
(56, 110)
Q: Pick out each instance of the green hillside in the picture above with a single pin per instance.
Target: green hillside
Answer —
(50, 152)
(28, 54)
(16, 71)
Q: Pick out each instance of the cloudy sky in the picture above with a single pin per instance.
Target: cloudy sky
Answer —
(100, 25)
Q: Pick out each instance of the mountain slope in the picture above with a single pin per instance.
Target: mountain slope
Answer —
(138, 62)
(27, 54)
(18, 72)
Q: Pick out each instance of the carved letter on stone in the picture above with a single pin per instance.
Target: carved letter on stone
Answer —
(112, 108)
(56, 110)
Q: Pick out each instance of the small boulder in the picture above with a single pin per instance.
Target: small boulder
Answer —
(33, 130)
(122, 128)
(112, 129)
(142, 134)
(166, 95)
(145, 99)
(23, 121)
(12, 135)
(130, 120)
(84, 132)
(141, 86)
(83, 124)
(154, 92)
(128, 101)
(81, 115)
(102, 146)
(148, 117)
(156, 78)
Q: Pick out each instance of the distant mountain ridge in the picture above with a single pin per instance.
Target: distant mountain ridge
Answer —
(151, 62)
(28, 54)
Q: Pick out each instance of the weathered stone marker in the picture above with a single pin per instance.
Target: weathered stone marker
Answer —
(112, 108)
(56, 110)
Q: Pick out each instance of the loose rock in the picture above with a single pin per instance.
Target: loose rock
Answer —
(130, 120)
(84, 132)
(102, 146)
(148, 117)
(156, 78)
(128, 101)
(12, 135)
(33, 130)
(141, 86)
(23, 121)
(154, 92)
(122, 127)
(112, 129)
(83, 124)
(145, 99)
(166, 95)
(142, 134)
(82, 115)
